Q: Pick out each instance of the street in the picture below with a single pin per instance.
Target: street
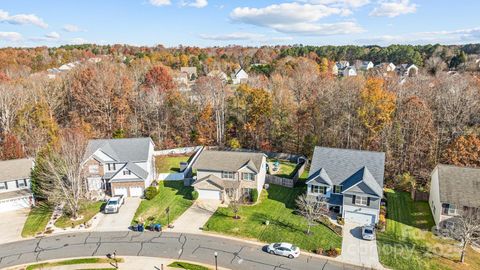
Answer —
(232, 254)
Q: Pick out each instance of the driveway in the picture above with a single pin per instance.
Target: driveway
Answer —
(11, 225)
(358, 251)
(192, 220)
(121, 220)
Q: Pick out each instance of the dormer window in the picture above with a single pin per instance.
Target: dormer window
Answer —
(337, 189)
(228, 175)
(127, 172)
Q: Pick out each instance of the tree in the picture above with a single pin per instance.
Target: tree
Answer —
(234, 200)
(463, 151)
(10, 147)
(435, 65)
(311, 209)
(159, 78)
(61, 177)
(205, 126)
(466, 228)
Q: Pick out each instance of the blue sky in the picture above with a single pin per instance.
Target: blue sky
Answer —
(244, 22)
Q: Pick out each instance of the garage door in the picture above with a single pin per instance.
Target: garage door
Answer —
(136, 191)
(208, 194)
(120, 191)
(14, 204)
(359, 218)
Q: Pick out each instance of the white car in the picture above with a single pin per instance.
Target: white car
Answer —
(284, 249)
(114, 204)
(368, 232)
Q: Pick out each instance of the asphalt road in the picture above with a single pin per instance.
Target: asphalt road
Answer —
(231, 253)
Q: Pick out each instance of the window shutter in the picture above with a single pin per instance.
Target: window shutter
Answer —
(353, 199)
(16, 183)
(368, 201)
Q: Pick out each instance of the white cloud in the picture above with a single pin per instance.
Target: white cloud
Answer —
(78, 41)
(159, 3)
(53, 35)
(196, 3)
(22, 19)
(296, 18)
(341, 3)
(72, 28)
(10, 36)
(245, 36)
(394, 8)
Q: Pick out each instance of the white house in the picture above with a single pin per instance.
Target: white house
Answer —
(349, 71)
(15, 186)
(120, 166)
(239, 76)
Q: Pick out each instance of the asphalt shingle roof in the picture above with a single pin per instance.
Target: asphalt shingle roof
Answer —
(15, 169)
(121, 150)
(459, 185)
(229, 161)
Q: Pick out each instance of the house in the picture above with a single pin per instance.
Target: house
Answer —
(363, 65)
(407, 70)
(221, 173)
(15, 192)
(190, 71)
(348, 72)
(453, 190)
(239, 76)
(350, 181)
(218, 74)
(120, 166)
(385, 68)
(339, 66)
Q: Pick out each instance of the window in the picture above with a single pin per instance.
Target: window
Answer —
(111, 166)
(361, 200)
(337, 189)
(93, 169)
(248, 176)
(452, 210)
(3, 186)
(21, 183)
(318, 189)
(227, 175)
(127, 172)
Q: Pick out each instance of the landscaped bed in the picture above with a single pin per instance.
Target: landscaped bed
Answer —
(187, 266)
(171, 194)
(278, 207)
(408, 242)
(88, 209)
(170, 164)
(37, 219)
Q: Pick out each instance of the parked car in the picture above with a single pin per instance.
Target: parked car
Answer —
(284, 249)
(368, 232)
(114, 204)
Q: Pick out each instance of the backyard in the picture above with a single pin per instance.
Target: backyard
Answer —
(408, 242)
(170, 164)
(277, 205)
(285, 167)
(88, 209)
(37, 219)
(171, 194)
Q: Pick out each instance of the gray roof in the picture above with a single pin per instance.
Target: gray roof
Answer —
(320, 177)
(459, 185)
(364, 177)
(229, 161)
(211, 180)
(15, 169)
(347, 166)
(121, 150)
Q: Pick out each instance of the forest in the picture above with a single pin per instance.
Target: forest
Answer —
(290, 103)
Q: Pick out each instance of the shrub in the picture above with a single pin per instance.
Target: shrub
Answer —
(254, 195)
(194, 195)
(319, 251)
(340, 220)
(332, 252)
(338, 251)
(151, 192)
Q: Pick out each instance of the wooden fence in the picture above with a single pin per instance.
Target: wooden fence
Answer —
(286, 182)
(419, 195)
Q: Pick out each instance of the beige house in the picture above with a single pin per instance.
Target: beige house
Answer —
(222, 173)
(15, 192)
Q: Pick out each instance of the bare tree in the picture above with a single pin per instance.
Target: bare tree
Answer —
(466, 228)
(62, 177)
(311, 209)
(12, 99)
(234, 201)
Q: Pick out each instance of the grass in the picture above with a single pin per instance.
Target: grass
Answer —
(170, 164)
(37, 219)
(72, 262)
(286, 168)
(278, 206)
(408, 242)
(88, 209)
(171, 194)
(188, 266)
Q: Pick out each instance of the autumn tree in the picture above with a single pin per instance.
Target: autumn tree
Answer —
(205, 126)
(10, 147)
(463, 151)
(159, 78)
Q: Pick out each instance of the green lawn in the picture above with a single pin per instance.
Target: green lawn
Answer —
(170, 194)
(187, 266)
(87, 210)
(72, 262)
(169, 164)
(408, 242)
(278, 206)
(37, 220)
(286, 168)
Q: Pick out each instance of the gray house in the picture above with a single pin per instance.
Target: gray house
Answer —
(351, 181)
(453, 190)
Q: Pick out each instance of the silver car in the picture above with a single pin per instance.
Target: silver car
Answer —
(284, 249)
(368, 232)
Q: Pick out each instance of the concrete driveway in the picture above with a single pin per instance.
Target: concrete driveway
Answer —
(192, 220)
(121, 220)
(11, 225)
(357, 251)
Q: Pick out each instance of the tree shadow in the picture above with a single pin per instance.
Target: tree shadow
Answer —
(181, 189)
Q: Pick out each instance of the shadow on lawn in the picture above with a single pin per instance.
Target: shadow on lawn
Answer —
(261, 218)
(285, 195)
(182, 190)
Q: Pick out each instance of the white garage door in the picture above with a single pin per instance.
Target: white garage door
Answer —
(359, 218)
(120, 191)
(208, 194)
(14, 204)
(136, 191)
